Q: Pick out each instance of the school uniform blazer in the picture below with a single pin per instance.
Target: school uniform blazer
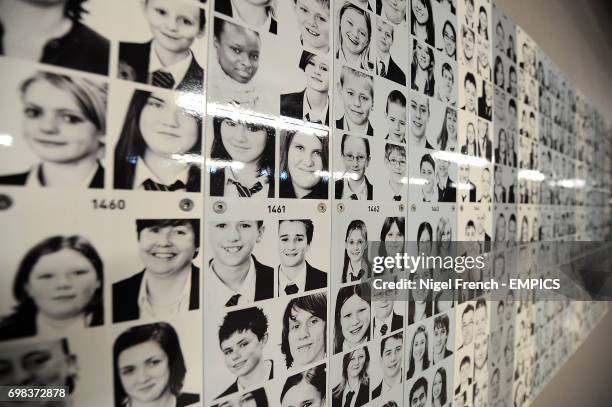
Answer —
(225, 7)
(187, 399)
(81, 48)
(449, 193)
(286, 190)
(395, 73)
(472, 192)
(125, 295)
(134, 66)
(511, 197)
(264, 281)
(397, 322)
(292, 105)
(488, 149)
(362, 397)
(315, 278)
(234, 386)
(340, 126)
(97, 181)
(484, 111)
(217, 183)
(340, 189)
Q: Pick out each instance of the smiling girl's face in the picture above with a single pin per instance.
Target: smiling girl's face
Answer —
(354, 33)
(355, 245)
(55, 127)
(355, 319)
(244, 143)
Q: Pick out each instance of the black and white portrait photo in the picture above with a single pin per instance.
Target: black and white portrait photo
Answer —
(61, 132)
(242, 159)
(295, 273)
(62, 37)
(234, 274)
(386, 66)
(58, 288)
(354, 184)
(304, 165)
(170, 282)
(260, 15)
(356, 91)
(159, 133)
(156, 349)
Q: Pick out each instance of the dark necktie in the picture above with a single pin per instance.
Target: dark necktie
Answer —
(358, 277)
(354, 197)
(349, 398)
(383, 71)
(384, 329)
(150, 185)
(233, 300)
(244, 191)
(291, 289)
(163, 79)
(397, 197)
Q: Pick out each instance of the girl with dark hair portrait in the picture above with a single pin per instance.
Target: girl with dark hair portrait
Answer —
(422, 24)
(355, 383)
(58, 287)
(470, 145)
(64, 123)
(152, 350)
(422, 68)
(354, 37)
(499, 76)
(511, 52)
(356, 262)
(242, 159)
(425, 238)
(421, 300)
(352, 317)
(449, 35)
(447, 139)
(160, 145)
(427, 169)
(304, 165)
(419, 352)
(311, 104)
(260, 14)
(255, 398)
(305, 389)
(304, 336)
(438, 388)
(61, 38)
(392, 237)
(483, 23)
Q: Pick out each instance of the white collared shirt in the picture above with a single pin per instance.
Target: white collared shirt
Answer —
(224, 293)
(314, 115)
(386, 387)
(360, 130)
(299, 280)
(230, 190)
(177, 70)
(150, 310)
(345, 393)
(33, 181)
(378, 324)
(361, 192)
(389, 193)
(143, 172)
(236, 15)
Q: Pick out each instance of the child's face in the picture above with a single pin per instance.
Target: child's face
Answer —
(238, 51)
(396, 120)
(174, 24)
(354, 32)
(357, 99)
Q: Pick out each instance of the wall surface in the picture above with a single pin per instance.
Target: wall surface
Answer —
(576, 35)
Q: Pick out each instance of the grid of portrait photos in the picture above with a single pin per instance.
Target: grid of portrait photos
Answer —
(194, 191)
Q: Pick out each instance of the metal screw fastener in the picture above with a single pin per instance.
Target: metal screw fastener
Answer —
(5, 202)
(340, 207)
(401, 207)
(413, 208)
(322, 207)
(186, 204)
(219, 207)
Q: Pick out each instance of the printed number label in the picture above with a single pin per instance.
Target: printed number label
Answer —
(108, 204)
(374, 208)
(277, 209)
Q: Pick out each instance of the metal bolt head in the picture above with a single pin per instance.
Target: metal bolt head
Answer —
(5, 202)
(186, 204)
(413, 208)
(340, 207)
(322, 207)
(401, 207)
(219, 207)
